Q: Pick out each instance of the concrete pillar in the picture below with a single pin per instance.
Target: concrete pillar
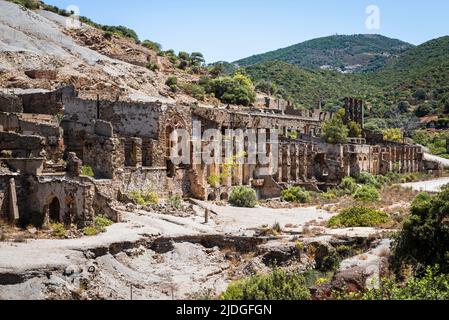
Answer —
(294, 162)
(13, 208)
(136, 152)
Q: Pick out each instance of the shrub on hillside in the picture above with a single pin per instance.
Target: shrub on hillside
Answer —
(358, 217)
(236, 89)
(278, 285)
(367, 193)
(296, 194)
(193, 89)
(243, 197)
(424, 239)
(431, 286)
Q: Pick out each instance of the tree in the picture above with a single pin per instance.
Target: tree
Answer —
(355, 131)
(335, 131)
(266, 87)
(197, 59)
(404, 106)
(237, 89)
(420, 94)
(217, 70)
(393, 135)
(423, 110)
(152, 45)
(424, 239)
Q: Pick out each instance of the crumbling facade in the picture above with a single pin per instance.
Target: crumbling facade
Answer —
(47, 137)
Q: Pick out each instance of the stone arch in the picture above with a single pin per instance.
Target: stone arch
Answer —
(212, 197)
(174, 122)
(52, 209)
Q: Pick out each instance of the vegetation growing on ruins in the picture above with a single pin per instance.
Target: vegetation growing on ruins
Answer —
(58, 230)
(358, 217)
(277, 285)
(100, 225)
(243, 197)
(335, 131)
(144, 197)
(175, 201)
(296, 194)
(87, 171)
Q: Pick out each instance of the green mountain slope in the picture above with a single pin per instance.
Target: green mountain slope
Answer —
(358, 53)
(416, 83)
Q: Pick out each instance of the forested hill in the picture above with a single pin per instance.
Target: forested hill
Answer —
(344, 53)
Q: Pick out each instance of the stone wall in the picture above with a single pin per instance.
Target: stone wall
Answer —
(127, 119)
(104, 155)
(10, 103)
(51, 103)
(75, 200)
(153, 179)
(22, 146)
(42, 74)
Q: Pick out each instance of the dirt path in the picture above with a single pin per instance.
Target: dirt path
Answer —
(427, 186)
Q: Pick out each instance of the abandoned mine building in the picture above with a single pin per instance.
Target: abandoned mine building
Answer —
(46, 137)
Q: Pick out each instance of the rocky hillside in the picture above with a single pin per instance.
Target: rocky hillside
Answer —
(95, 61)
(343, 53)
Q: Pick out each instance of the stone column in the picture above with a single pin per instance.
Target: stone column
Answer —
(13, 208)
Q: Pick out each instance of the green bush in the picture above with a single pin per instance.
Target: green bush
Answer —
(348, 185)
(175, 201)
(144, 197)
(278, 285)
(193, 89)
(236, 89)
(367, 193)
(335, 131)
(87, 171)
(296, 194)
(152, 66)
(172, 82)
(90, 231)
(243, 197)
(358, 217)
(58, 230)
(152, 45)
(424, 239)
(431, 286)
(368, 178)
(100, 225)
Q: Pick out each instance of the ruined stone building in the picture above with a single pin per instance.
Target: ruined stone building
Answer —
(47, 137)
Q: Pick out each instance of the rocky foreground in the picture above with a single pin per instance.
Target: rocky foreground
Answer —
(157, 256)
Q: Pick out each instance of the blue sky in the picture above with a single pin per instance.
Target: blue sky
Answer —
(233, 29)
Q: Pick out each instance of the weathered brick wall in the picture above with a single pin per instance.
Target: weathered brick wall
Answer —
(153, 179)
(10, 103)
(51, 103)
(22, 146)
(104, 155)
